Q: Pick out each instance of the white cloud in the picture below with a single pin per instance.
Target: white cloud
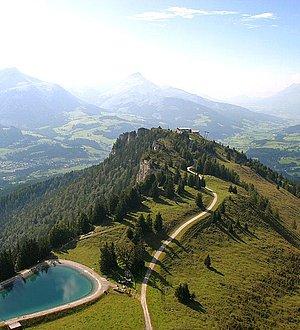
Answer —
(262, 16)
(183, 12)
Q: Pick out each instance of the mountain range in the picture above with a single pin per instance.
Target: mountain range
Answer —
(285, 104)
(28, 102)
(169, 106)
(41, 120)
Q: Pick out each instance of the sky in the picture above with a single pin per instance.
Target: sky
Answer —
(219, 48)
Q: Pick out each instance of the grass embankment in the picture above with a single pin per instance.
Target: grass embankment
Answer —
(254, 282)
(114, 311)
(117, 311)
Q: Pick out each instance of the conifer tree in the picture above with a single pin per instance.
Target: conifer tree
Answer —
(207, 261)
(6, 265)
(158, 224)
(154, 191)
(108, 259)
(180, 188)
(177, 176)
(149, 223)
(222, 208)
(141, 223)
(199, 201)
(84, 224)
(129, 233)
(169, 188)
(182, 293)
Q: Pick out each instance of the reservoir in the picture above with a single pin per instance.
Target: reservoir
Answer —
(51, 287)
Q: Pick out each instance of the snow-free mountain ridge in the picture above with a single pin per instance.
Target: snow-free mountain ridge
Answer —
(285, 103)
(169, 106)
(28, 102)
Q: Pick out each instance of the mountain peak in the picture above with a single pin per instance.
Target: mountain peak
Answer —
(11, 77)
(10, 70)
(136, 75)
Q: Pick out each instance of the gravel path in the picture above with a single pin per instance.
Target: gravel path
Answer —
(158, 253)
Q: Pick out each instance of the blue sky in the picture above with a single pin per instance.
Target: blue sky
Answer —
(220, 48)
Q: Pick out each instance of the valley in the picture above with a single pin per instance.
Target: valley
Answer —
(276, 147)
(79, 134)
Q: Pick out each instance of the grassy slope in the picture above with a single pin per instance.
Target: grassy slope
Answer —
(239, 288)
(287, 204)
(111, 312)
(118, 311)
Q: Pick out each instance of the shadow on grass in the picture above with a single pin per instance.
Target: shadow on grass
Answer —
(196, 306)
(212, 269)
(156, 279)
(187, 195)
(159, 200)
(149, 258)
(233, 236)
(175, 241)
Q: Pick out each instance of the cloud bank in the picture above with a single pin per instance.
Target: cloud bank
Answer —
(189, 13)
(183, 12)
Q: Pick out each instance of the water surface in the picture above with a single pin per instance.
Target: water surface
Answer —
(55, 286)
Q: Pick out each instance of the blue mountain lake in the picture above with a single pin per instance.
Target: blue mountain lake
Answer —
(52, 287)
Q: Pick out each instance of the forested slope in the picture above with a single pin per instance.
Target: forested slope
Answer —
(145, 163)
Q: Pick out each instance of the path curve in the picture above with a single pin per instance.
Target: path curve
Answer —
(158, 253)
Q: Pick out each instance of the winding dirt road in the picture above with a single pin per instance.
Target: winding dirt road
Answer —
(158, 253)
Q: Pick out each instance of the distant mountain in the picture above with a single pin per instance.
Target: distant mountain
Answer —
(29, 102)
(292, 129)
(9, 135)
(173, 107)
(285, 103)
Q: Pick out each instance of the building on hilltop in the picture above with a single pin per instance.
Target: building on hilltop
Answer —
(181, 130)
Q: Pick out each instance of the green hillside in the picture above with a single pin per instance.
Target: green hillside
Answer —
(253, 282)
(251, 235)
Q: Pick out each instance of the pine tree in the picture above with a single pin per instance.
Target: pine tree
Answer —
(84, 224)
(207, 261)
(180, 188)
(222, 208)
(182, 293)
(177, 176)
(149, 223)
(129, 233)
(6, 265)
(108, 259)
(99, 214)
(216, 217)
(169, 188)
(154, 191)
(158, 224)
(199, 201)
(191, 180)
(141, 223)
(184, 179)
